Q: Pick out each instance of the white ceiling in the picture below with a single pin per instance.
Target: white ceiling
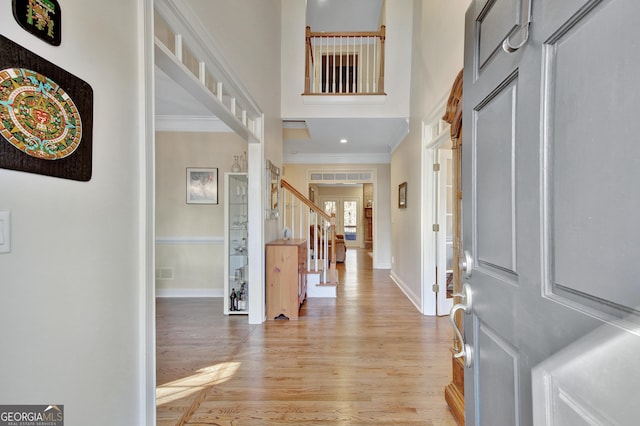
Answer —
(344, 15)
(369, 136)
(363, 135)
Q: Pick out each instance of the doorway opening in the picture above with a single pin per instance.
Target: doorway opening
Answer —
(438, 221)
(346, 204)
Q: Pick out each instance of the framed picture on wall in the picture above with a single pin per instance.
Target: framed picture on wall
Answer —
(202, 185)
(402, 195)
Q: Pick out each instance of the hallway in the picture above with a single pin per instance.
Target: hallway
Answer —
(368, 357)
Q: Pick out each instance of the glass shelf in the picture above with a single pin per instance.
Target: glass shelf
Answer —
(236, 284)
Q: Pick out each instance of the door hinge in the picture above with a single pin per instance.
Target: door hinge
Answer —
(436, 227)
(435, 288)
(436, 167)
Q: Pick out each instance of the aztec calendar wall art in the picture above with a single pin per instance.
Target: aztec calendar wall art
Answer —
(45, 116)
(37, 116)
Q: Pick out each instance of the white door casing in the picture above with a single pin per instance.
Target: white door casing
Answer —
(444, 233)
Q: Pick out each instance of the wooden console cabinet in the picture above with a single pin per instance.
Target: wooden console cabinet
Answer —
(286, 278)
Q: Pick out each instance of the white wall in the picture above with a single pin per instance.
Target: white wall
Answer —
(397, 71)
(190, 237)
(248, 34)
(438, 31)
(71, 308)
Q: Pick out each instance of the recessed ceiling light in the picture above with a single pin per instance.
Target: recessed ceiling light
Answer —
(343, 141)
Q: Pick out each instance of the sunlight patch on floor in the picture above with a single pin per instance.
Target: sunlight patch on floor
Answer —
(205, 377)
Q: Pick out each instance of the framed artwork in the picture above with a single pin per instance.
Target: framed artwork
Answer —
(42, 18)
(402, 195)
(46, 116)
(202, 185)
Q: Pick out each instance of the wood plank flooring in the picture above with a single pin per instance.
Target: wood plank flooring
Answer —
(366, 358)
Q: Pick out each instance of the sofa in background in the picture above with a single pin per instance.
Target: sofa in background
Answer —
(341, 249)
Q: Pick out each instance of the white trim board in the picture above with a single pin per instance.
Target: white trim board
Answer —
(189, 292)
(188, 123)
(204, 240)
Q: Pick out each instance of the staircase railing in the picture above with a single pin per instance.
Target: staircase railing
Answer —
(300, 216)
(344, 63)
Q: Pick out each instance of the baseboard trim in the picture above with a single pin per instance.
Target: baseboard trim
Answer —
(189, 292)
(455, 400)
(405, 289)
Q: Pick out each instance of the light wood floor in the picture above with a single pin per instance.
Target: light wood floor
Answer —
(366, 358)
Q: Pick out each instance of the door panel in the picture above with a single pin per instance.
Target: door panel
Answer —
(550, 164)
(499, 379)
(351, 222)
(580, 163)
(498, 19)
(494, 128)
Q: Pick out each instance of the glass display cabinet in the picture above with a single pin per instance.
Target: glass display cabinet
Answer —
(236, 286)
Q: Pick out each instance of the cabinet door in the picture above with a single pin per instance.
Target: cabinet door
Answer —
(282, 281)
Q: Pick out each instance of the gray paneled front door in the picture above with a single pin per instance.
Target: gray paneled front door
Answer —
(551, 171)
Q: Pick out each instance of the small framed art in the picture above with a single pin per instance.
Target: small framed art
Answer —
(402, 195)
(202, 185)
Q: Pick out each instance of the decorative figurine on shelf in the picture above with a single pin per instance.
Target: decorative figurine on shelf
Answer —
(244, 162)
(234, 300)
(242, 297)
(236, 166)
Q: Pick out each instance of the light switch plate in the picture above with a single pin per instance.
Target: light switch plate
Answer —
(5, 232)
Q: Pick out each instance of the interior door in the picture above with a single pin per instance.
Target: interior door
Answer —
(348, 218)
(550, 165)
(444, 237)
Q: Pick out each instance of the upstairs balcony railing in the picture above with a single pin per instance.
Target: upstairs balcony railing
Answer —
(344, 63)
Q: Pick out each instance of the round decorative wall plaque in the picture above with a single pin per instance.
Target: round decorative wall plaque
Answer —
(37, 116)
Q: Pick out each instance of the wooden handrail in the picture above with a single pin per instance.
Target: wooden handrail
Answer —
(380, 33)
(304, 199)
(331, 219)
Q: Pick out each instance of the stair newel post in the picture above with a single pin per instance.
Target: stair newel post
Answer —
(383, 33)
(333, 272)
(308, 59)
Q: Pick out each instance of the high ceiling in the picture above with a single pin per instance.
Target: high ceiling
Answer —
(344, 15)
(318, 136)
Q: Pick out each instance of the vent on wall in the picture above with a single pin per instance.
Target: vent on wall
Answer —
(164, 274)
(341, 176)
